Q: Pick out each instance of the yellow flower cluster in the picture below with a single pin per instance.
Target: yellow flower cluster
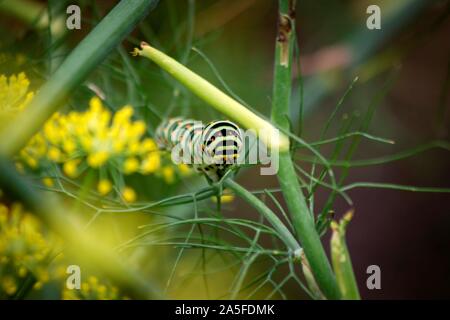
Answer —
(112, 144)
(14, 96)
(95, 139)
(23, 250)
(98, 138)
(92, 289)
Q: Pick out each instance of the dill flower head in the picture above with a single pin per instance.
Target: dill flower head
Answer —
(24, 249)
(97, 138)
(14, 94)
(112, 144)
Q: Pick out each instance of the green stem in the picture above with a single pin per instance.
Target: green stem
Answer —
(342, 262)
(216, 98)
(26, 287)
(73, 71)
(273, 219)
(30, 12)
(302, 220)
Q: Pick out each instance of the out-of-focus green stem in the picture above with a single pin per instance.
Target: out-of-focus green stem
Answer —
(342, 263)
(35, 15)
(216, 98)
(73, 71)
(279, 226)
(79, 244)
(30, 12)
(302, 220)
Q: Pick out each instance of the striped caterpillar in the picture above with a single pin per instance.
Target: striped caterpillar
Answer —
(211, 149)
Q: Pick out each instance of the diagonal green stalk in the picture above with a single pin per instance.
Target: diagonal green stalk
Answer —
(268, 214)
(73, 71)
(302, 219)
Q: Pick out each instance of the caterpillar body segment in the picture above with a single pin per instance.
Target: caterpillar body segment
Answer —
(212, 149)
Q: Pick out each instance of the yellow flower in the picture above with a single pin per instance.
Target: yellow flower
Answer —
(148, 145)
(168, 173)
(97, 159)
(123, 115)
(69, 146)
(95, 104)
(137, 129)
(128, 194)
(14, 95)
(31, 162)
(86, 142)
(104, 186)
(48, 182)
(130, 165)
(52, 131)
(23, 249)
(54, 154)
(151, 163)
(70, 168)
(133, 147)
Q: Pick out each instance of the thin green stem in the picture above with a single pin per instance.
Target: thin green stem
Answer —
(302, 219)
(268, 214)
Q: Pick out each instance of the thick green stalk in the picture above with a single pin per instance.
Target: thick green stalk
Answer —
(273, 219)
(216, 98)
(302, 220)
(73, 71)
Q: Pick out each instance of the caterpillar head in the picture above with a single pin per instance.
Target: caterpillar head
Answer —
(222, 142)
